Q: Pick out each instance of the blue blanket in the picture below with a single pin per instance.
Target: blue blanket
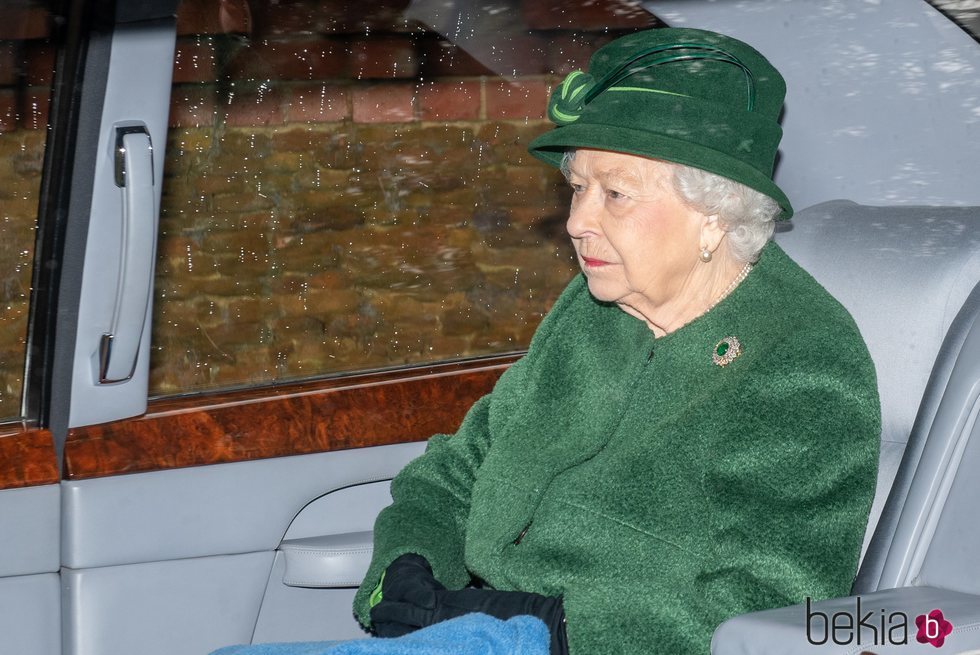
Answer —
(473, 634)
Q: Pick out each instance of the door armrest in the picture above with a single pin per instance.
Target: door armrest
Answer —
(835, 626)
(337, 560)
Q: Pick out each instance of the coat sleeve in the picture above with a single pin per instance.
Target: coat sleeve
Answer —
(431, 496)
(430, 505)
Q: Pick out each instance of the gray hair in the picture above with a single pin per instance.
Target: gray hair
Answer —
(746, 214)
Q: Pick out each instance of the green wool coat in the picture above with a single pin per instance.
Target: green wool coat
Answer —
(655, 491)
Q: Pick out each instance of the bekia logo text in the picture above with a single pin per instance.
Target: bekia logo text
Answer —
(874, 627)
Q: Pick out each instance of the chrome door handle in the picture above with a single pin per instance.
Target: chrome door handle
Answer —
(119, 347)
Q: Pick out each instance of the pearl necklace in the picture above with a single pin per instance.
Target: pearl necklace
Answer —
(731, 287)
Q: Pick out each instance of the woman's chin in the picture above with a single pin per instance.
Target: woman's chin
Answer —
(602, 291)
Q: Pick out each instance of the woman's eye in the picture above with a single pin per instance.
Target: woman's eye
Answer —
(576, 188)
(616, 195)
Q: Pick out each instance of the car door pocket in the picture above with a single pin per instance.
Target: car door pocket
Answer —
(338, 560)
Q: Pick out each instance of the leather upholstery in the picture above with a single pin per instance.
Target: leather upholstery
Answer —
(920, 315)
(783, 631)
(29, 539)
(336, 560)
(903, 273)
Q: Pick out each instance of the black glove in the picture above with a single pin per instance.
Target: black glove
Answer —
(408, 597)
(412, 598)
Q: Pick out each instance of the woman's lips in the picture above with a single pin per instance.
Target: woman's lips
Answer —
(594, 263)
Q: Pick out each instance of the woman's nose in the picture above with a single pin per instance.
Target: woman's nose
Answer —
(582, 217)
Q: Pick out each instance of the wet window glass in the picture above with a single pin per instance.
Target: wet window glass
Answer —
(347, 185)
(26, 67)
(965, 13)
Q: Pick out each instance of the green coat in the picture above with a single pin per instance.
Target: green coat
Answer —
(657, 492)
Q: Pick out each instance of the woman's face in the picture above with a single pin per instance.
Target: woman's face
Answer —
(637, 242)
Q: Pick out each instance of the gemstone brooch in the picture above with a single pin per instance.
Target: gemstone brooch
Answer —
(726, 351)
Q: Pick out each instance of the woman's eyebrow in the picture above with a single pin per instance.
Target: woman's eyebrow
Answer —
(612, 177)
(620, 176)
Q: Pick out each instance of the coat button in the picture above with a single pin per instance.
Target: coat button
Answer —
(520, 537)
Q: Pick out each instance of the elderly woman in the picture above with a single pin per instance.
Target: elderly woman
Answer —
(693, 432)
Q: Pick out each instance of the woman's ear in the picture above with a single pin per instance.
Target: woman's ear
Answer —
(712, 233)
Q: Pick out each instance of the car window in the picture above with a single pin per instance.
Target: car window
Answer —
(965, 13)
(26, 70)
(347, 185)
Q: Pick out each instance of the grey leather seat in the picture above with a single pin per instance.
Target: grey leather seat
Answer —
(909, 276)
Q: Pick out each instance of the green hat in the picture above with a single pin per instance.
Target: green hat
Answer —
(688, 96)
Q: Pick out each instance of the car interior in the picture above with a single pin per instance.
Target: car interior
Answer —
(253, 253)
(924, 291)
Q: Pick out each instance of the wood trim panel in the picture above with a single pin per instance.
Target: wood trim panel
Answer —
(27, 457)
(347, 412)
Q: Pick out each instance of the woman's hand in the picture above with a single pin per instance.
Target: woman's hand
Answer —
(408, 597)
(411, 598)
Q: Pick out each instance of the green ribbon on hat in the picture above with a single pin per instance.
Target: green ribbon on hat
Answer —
(579, 88)
(568, 101)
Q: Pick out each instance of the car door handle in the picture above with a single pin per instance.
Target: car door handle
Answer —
(119, 347)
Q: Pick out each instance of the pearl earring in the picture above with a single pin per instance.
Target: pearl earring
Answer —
(705, 255)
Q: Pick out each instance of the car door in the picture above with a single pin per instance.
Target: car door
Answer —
(30, 592)
(353, 244)
(347, 244)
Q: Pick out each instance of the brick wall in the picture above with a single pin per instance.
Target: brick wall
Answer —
(347, 189)
(26, 63)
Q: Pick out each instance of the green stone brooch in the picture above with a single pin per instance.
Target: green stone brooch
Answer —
(726, 351)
